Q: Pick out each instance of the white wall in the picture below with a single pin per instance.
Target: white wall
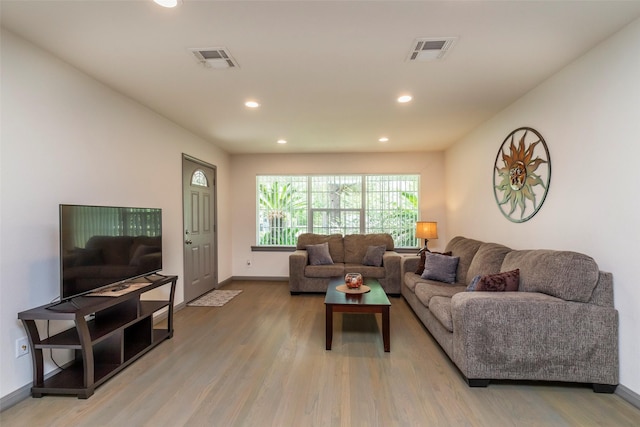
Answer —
(245, 168)
(68, 139)
(589, 115)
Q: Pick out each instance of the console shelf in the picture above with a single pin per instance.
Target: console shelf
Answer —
(110, 333)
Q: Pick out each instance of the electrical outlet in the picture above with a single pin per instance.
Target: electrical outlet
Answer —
(22, 347)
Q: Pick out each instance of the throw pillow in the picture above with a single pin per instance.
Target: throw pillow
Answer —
(507, 281)
(374, 255)
(473, 284)
(423, 254)
(141, 251)
(440, 267)
(319, 254)
(420, 268)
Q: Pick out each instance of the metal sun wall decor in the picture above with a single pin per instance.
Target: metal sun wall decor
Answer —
(521, 174)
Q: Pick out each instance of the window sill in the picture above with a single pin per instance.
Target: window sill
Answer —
(412, 251)
(273, 248)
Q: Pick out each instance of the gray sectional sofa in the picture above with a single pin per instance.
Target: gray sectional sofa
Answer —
(347, 255)
(560, 325)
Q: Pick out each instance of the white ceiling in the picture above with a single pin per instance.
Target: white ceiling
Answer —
(327, 73)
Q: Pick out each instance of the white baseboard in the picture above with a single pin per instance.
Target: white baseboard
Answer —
(14, 398)
(628, 395)
(24, 392)
(260, 278)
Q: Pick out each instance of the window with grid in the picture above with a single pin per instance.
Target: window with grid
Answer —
(327, 204)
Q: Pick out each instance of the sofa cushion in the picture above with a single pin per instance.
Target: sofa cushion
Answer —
(84, 257)
(319, 254)
(373, 256)
(115, 250)
(155, 241)
(411, 280)
(440, 267)
(333, 270)
(141, 251)
(425, 290)
(366, 270)
(568, 275)
(355, 245)
(465, 249)
(487, 260)
(508, 281)
(336, 247)
(440, 307)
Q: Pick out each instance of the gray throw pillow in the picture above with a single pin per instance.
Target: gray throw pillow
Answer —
(319, 254)
(374, 255)
(141, 251)
(473, 284)
(440, 267)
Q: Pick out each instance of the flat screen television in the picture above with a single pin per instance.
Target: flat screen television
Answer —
(105, 245)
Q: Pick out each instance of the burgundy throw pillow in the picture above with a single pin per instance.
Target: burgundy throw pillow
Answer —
(420, 268)
(508, 281)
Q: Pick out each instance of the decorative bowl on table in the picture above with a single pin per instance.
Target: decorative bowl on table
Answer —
(353, 280)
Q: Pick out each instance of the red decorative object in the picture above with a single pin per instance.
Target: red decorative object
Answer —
(353, 280)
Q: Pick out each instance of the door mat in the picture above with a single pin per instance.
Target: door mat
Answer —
(215, 298)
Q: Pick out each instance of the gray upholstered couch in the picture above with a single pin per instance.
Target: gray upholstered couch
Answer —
(560, 326)
(347, 254)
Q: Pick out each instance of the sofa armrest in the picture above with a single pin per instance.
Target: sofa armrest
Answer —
(392, 279)
(516, 335)
(298, 260)
(410, 264)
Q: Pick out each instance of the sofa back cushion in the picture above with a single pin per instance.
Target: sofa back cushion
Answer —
(336, 247)
(568, 275)
(487, 260)
(356, 245)
(466, 250)
(113, 249)
(144, 245)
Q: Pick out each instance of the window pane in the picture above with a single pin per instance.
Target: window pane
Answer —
(336, 192)
(392, 207)
(336, 222)
(345, 204)
(199, 178)
(282, 209)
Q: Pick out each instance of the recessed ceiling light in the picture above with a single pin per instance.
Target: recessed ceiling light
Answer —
(282, 141)
(166, 3)
(405, 98)
(252, 104)
(383, 139)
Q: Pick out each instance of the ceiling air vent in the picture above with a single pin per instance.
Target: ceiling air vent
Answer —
(431, 49)
(214, 57)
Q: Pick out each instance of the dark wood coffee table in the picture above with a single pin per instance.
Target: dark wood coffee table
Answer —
(374, 301)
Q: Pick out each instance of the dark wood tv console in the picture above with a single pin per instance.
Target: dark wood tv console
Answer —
(110, 334)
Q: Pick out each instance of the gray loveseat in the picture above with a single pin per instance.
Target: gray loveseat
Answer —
(560, 325)
(347, 254)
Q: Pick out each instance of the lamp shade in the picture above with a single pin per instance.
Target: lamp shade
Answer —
(426, 230)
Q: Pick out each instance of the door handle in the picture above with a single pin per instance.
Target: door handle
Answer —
(188, 241)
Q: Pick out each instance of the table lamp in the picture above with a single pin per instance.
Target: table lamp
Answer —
(426, 230)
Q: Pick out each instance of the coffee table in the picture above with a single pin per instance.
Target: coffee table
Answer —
(374, 301)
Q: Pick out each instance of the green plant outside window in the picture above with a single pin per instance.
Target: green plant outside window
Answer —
(347, 204)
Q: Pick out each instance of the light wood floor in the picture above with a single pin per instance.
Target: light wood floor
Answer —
(260, 361)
